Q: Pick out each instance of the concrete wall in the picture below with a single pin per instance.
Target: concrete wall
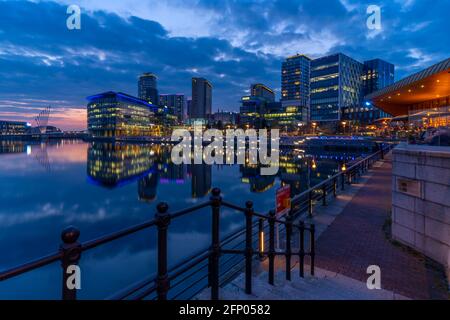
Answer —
(421, 200)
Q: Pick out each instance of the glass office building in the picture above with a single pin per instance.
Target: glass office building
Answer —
(335, 85)
(295, 84)
(116, 114)
(175, 103)
(261, 90)
(147, 88)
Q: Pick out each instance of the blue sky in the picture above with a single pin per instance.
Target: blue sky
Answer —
(232, 43)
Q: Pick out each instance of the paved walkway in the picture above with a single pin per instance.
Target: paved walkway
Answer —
(355, 240)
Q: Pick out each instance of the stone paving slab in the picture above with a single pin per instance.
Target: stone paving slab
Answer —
(356, 239)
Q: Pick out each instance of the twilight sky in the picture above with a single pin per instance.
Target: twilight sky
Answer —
(231, 43)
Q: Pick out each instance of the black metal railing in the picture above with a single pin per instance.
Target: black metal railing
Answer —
(157, 286)
(320, 193)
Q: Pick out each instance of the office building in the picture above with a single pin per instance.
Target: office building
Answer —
(115, 114)
(175, 103)
(14, 127)
(201, 105)
(336, 85)
(295, 84)
(147, 88)
(226, 117)
(261, 90)
(377, 74)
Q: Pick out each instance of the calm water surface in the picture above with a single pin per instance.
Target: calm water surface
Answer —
(101, 188)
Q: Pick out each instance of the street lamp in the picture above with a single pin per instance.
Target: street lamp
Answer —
(343, 124)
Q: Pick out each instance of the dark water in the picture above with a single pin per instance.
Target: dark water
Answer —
(102, 188)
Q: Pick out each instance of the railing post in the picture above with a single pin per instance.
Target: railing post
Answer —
(382, 152)
(312, 247)
(71, 254)
(310, 204)
(288, 253)
(271, 253)
(342, 181)
(215, 244)
(324, 194)
(248, 246)
(301, 253)
(261, 238)
(162, 222)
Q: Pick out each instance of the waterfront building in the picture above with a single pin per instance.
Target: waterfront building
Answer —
(226, 117)
(14, 127)
(261, 90)
(377, 74)
(116, 114)
(175, 103)
(188, 107)
(252, 111)
(253, 107)
(201, 105)
(336, 85)
(421, 97)
(147, 88)
(285, 117)
(295, 84)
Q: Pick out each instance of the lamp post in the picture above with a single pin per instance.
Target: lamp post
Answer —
(343, 126)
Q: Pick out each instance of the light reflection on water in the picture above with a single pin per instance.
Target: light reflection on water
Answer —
(101, 188)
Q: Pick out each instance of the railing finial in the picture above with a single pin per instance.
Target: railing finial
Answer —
(215, 192)
(249, 204)
(70, 235)
(162, 207)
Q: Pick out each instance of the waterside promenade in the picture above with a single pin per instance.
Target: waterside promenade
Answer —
(353, 233)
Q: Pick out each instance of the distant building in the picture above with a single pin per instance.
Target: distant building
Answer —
(116, 114)
(295, 84)
(336, 85)
(226, 117)
(188, 107)
(252, 111)
(254, 106)
(201, 104)
(147, 88)
(261, 90)
(14, 127)
(377, 74)
(287, 117)
(175, 103)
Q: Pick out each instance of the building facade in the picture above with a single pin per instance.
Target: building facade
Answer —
(295, 84)
(201, 104)
(147, 88)
(261, 90)
(175, 103)
(376, 75)
(336, 85)
(115, 114)
(14, 127)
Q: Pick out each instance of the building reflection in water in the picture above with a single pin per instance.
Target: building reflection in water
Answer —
(115, 164)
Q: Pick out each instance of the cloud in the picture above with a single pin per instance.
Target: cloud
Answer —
(232, 43)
